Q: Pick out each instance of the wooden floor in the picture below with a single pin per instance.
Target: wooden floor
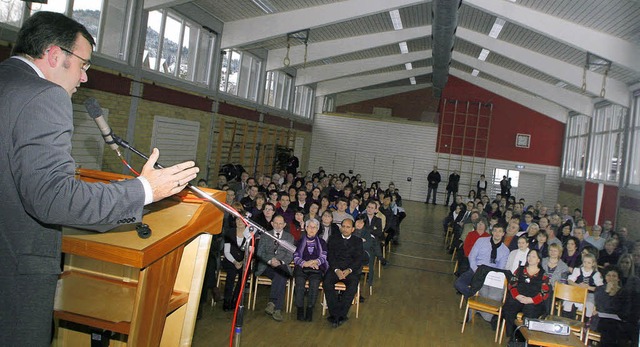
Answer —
(413, 304)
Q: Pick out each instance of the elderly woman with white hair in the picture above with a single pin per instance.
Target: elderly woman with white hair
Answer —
(310, 259)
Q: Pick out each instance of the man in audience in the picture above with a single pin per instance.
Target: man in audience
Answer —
(344, 254)
(285, 209)
(623, 238)
(488, 251)
(273, 262)
(248, 202)
(578, 233)
(222, 180)
(341, 213)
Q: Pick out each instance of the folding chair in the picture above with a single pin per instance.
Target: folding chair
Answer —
(496, 280)
(575, 294)
(341, 287)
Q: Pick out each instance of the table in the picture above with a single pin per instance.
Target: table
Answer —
(539, 338)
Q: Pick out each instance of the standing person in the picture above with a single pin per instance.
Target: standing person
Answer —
(504, 187)
(434, 179)
(292, 163)
(452, 186)
(481, 186)
(50, 59)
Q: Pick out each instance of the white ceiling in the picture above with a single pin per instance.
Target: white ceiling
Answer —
(353, 46)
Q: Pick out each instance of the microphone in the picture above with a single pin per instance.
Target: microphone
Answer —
(95, 112)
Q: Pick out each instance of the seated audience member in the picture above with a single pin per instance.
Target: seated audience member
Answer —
(532, 232)
(327, 227)
(313, 211)
(353, 209)
(453, 219)
(479, 232)
(265, 218)
(540, 243)
(607, 229)
(518, 257)
(302, 203)
(341, 213)
(248, 202)
(610, 304)
(571, 255)
(391, 224)
(373, 224)
(310, 259)
(232, 263)
(527, 220)
(511, 237)
(345, 252)
(528, 289)
(586, 276)
(258, 204)
(285, 210)
(578, 233)
(273, 198)
(273, 262)
(596, 238)
(488, 251)
(631, 284)
(627, 245)
(565, 234)
(324, 205)
(553, 266)
(368, 244)
(469, 224)
(296, 227)
(608, 256)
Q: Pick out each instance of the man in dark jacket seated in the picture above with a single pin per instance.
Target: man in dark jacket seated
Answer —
(344, 253)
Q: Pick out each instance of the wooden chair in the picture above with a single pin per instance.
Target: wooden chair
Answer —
(575, 294)
(448, 235)
(365, 271)
(266, 281)
(496, 280)
(341, 287)
(591, 335)
(222, 277)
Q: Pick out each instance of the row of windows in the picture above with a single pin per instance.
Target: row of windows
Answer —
(595, 146)
(174, 46)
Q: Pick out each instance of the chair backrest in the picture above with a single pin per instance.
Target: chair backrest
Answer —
(495, 279)
(568, 292)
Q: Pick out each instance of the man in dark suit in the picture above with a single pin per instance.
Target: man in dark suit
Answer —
(432, 188)
(273, 262)
(37, 185)
(344, 254)
(452, 186)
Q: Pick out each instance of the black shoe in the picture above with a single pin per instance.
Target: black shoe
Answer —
(361, 299)
(331, 319)
(309, 314)
(494, 323)
(300, 314)
(342, 320)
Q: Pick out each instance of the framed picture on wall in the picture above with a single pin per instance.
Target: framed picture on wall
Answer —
(523, 140)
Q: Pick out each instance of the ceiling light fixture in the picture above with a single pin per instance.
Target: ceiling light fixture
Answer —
(395, 19)
(412, 80)
(403, 47)
(265, 6)
(497, 27)
(475, 72)
(483, 54)
(408, 66)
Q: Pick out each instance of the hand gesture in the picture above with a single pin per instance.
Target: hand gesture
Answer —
(168, 181)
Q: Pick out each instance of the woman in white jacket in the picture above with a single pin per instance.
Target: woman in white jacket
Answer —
(518, 257)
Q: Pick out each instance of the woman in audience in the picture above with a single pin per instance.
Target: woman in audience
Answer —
(296, 227)
(528, 289)
(610, 301)
(324, 205)
(314, 207)
(565, 233)
(365, 199)
(232, 263)
(258, 204)
(293, 194)
(571, 256)
(553, 266)
(315, 196)
(540, 243)
(494, 211)
(518, 257)
(327, 226)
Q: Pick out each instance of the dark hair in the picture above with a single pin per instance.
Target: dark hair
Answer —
(539, 257)
(43, 29)
(610, 268)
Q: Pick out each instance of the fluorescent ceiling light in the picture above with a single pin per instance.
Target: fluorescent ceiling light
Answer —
(561, 84)
(412, 80)
(408, 66)
(483, 54)
(403, 47)
(475, 72)
(497, 28)
(395, 19)
(265, 6)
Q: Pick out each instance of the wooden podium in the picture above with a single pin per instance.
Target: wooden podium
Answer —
(146, 291)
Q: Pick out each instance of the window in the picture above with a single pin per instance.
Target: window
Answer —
(11, 12)
(303, 101)
(240, 74)
(575, 149)
(607, 143)
(278, 90)
(634, 153)
(177, 47)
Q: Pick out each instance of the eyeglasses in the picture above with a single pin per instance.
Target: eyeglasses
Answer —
(87, 62)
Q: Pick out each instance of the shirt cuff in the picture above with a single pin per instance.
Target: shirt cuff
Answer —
(148, 192)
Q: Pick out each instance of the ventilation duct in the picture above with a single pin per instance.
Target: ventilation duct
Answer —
(445, 22)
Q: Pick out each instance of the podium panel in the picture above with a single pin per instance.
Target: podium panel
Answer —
(144, 291)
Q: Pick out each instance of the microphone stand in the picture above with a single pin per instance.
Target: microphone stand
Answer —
(253, 229)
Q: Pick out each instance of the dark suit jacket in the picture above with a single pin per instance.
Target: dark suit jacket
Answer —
(345, 254)
(267, 250)
(37, 183)
(374, 227)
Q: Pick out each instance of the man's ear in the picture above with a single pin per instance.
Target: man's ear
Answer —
(53, 55)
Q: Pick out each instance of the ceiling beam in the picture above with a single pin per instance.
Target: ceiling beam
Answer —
(256, 29)
(332, 48)
(355, 82)
(577, 102)
(362, 95)
(617, 50)
(616, 91)
(331, 71)
(545, 107)
(151, 5)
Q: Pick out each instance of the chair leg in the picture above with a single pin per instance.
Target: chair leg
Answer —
(466, 314)
(357, 299)
(461, 300)
(502, 330)
(498, 328)
(255, 292)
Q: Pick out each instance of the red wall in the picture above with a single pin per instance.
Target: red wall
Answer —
(608, 208)
(410, 105)
(510, 118)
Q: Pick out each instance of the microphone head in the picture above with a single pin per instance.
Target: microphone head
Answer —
(93, 107)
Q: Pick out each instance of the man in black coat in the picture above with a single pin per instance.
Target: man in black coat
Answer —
(434, 179)
(452, 186)
(344, 253)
